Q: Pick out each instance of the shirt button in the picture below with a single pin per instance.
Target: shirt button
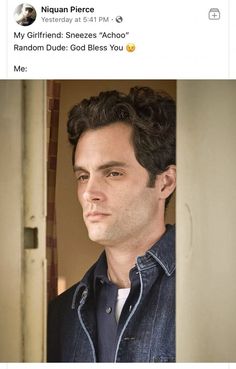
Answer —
(108, 310)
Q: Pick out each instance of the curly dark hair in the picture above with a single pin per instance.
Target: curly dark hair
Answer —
(151, 114)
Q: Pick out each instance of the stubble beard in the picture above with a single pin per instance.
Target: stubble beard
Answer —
(127, 229)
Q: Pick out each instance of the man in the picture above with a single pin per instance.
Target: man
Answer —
(26, 16)
(123, 310)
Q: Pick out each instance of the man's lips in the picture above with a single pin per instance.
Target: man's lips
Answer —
(96, 215)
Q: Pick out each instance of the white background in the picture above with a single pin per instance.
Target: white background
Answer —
(174, 39)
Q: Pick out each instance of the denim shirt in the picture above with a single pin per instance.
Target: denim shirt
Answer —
(148, 331)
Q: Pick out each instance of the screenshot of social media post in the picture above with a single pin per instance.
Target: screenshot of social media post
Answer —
(117, 185)
(102, 39)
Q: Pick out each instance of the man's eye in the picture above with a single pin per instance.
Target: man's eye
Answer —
(82, 178)
(114, 174)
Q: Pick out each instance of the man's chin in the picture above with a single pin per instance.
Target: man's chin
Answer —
(97, 238)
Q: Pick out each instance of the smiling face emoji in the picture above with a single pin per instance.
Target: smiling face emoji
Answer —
(130, 47)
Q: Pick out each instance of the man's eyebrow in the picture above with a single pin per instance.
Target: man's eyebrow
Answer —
(77, 168)
(109, 164)
(112, 164)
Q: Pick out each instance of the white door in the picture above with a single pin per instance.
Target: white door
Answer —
(22, 221)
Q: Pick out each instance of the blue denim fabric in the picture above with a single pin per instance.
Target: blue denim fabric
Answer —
(147, 333)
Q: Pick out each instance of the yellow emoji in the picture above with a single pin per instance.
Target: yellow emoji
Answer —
(130, 47)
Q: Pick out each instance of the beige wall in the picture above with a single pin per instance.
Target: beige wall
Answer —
(75, 252)
(11, 221)
(206, 238)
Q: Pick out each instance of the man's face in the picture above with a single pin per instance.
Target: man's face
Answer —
(27, 12)
(112, 187)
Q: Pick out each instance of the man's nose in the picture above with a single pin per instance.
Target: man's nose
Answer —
(94, 191)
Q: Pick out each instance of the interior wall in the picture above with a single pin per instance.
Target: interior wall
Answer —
(76, 253)
(206, 238)
(11, 221)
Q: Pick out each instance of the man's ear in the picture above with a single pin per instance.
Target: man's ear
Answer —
(167, 182)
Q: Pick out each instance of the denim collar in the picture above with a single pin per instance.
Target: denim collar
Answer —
(162, 253)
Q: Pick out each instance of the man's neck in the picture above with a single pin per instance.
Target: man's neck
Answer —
(121, 259)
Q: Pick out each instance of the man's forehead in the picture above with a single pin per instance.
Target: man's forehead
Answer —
(111, 138)
(107, 144)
